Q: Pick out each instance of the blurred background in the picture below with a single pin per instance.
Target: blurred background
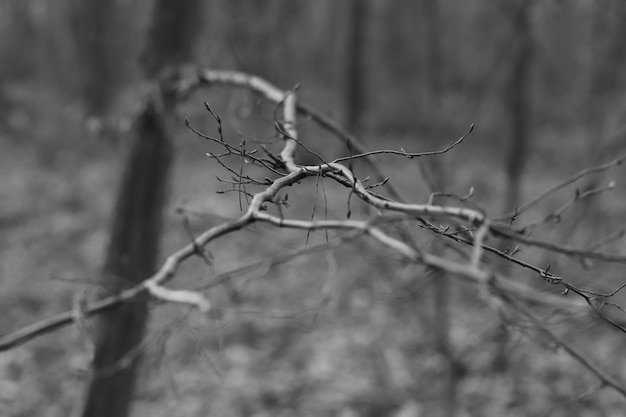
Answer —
(330, 333)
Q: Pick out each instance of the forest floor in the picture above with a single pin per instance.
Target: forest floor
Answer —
(345, 332)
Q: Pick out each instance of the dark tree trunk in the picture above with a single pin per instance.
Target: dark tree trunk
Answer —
(91, 24)
(441, 309)
(170, 38)
(355, 66)
(131, 258)
(517, 102)
(134, 245)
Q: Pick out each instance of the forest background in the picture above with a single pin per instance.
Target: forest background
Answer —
(542, 81)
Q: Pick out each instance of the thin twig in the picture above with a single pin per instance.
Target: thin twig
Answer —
(406, 154)
(553, 247)
(557, 214)
(557, 187)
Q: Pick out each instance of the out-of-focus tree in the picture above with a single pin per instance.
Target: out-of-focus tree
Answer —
(516, 97)
(433, 118)
(93, 25)
(133, 248)
(356, 17)
(19, 31)
(605, 57)
(104, 35)
(517, 106)
(15, 23)
(253, 49)
(171, 35)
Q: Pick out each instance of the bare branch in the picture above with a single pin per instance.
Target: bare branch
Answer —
(579, 253)
(406, 154)
(557, 214)
(179, 296)
(557, 187)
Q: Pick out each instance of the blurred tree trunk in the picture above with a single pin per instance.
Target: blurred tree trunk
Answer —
(171, 34)
(250, 49)
(16, 22)
(518, 107)
(597, 61)
(355, 66)
(131, 257)
(517, 99)
(441, 309)
(605, 50)
(136, 231)
(92, 24)
(606, 55)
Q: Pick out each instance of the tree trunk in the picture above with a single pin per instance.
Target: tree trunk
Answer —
(133, 250)
(132, 257)
(517, 103)
(91, 24)
(355, 67)
(170, 38)
(441, 321)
